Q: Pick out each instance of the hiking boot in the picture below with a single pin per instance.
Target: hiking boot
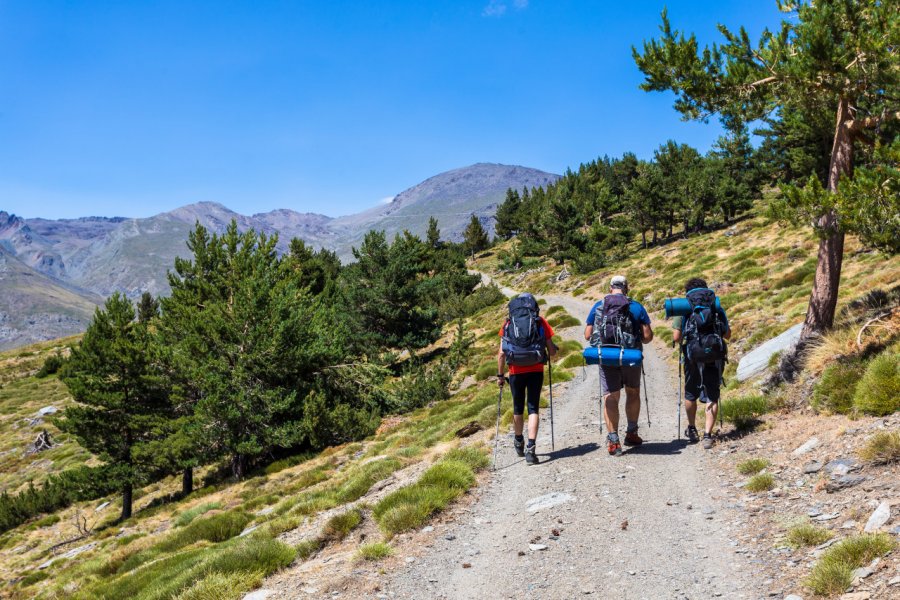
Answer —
(531, 456)
(613, 446)
(520, 447)
(691, 434)
(707, 441)
(632, 438)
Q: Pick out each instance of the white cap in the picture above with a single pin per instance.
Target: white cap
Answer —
(618, 281)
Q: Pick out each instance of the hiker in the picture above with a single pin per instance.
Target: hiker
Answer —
(620, 321)
(701, 336)
(525, 347)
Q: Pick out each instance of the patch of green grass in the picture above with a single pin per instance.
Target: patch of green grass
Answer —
(761, 482)
(834, 391)
(411, 507)
(801, 275)
(807, 535)
(578, 292)
(307, 548)
(882, 448)
(752, 466)
(572, 361)
(553, 310)
(184, 518)
(568, 347)
(217, 528)
(833, 574)
(339, 526)
(878, 392)
(222, 586)
(375, 551)
(475, 457)
(743, 412)
(562, 321)
(486, 370)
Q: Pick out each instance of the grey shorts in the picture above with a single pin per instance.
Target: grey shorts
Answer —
(612, 379)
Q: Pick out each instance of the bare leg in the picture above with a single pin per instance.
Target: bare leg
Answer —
(712, 410)
(690, 408)
(611, 411)
(632, 404)
(518, 424)
(533, 426)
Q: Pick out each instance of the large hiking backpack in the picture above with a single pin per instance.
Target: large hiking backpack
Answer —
(614, 325)
(523, 342)
(703, 329)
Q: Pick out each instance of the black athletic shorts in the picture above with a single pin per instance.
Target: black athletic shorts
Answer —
(526, 384)
(711, 380)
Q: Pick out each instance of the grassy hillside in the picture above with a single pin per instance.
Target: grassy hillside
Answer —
(22, 395)
(290, 512)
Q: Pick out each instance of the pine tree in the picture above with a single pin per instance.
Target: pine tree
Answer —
(509, 215)
(148, 308)
(832, 53)
(475, 237)
(121, 399)
(433, 235)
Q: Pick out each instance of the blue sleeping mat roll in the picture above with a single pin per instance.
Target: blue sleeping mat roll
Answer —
(680, 307)
(613, 356)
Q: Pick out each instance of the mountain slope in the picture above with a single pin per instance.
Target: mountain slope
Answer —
(35, 307)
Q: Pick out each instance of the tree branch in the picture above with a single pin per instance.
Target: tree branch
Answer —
(871, 122)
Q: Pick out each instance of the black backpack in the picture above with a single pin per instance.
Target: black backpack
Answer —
(614, 325)
(703, 329)
(523, 342)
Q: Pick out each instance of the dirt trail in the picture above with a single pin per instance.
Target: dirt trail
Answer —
(675, 543)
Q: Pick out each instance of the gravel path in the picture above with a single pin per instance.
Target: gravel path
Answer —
(643, 525)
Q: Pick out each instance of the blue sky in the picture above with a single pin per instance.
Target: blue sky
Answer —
(134, 108)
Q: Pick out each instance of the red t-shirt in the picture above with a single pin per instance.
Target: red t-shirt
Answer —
(548, 333)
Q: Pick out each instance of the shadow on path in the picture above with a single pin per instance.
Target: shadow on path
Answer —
(658, 448)
(572, 451)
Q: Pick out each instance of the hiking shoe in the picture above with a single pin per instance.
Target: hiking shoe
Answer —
(633, 439)
(691, 434)
(707, 441)
(613, 447)
(520, 447)
(531, 456)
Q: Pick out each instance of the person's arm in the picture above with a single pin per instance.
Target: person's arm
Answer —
(646, 333)
(589, 324)
(552, 348)
(727, 334)
(501, 366)
(676, 335)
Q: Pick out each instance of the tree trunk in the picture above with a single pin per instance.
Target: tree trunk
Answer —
(239, 466)
(823, 300)
(187, 481)
(126, 502)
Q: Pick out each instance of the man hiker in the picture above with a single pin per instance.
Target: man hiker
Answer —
(619, 320)
(525, 347)
(701, 337)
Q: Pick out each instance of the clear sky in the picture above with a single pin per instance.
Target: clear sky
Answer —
(134, 108)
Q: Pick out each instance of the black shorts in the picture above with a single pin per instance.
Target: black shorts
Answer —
(613, 379)
(711, 380)
(526, 384)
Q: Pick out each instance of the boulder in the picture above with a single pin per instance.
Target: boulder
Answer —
(755, 362)
(879, 518)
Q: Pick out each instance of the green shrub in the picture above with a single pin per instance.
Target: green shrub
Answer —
(554, 309)
(834, 391)
(878, 392)
(184, 518)
(51, 365)
(375, 551)
(743, 412)
(421, 385)
(806, 534)
(760, 483)
(482, 297)
(752, 466)
(882, 448)
(339, 526)
(833, 574)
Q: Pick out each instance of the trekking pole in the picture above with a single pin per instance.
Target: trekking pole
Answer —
(646, 398)
(552, 440)
(679, 390)
(497, 435)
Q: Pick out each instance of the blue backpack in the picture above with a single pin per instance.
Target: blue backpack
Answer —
(524, 343)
